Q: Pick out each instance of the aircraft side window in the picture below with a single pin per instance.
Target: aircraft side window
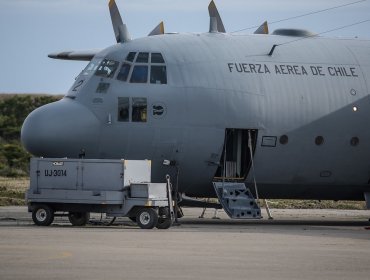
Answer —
(123, 109)
(158, 75)
(139, 74)
(107, 68)
(143, 57)
(102, 88)
(123, 72)
(139, 109)
(131, 56)
(157, 58)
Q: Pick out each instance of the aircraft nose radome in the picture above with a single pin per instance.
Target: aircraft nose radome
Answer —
(61, 129)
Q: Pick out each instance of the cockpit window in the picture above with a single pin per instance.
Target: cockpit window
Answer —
(123, 72)
(143, 57)
(107, 68)
(158, 75)
(157, 58)
(139, 74)
(91, 67)
(131, 56)
(146, 65)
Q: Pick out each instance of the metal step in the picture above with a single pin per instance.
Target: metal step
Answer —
(237, 200)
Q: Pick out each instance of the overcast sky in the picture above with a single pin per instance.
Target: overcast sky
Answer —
(31, 29)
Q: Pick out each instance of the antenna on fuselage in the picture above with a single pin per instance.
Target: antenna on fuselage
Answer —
(215, 21)
(119, 28)
(272, 50)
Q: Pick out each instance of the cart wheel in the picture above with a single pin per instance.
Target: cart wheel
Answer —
(42, 215)
(147, 218)
(78, 218)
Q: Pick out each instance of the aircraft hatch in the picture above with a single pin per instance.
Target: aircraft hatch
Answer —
(235, 161)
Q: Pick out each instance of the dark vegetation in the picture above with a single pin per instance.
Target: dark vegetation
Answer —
(12, 190)
(13, 110)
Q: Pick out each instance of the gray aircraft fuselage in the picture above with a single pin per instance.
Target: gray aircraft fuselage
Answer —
(307, 104)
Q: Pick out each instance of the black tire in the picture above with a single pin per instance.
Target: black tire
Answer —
(164, 212)
(164, 220)
(78, 219)
(42, 215)
(164, 223)
(147, 218)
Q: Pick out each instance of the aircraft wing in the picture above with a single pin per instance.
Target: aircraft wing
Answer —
(85, 55)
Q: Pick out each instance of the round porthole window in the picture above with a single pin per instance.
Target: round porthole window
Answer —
(283, 139)
(319, 140)
(355, 141)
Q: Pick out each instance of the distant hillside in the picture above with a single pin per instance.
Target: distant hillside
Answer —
(14, 108)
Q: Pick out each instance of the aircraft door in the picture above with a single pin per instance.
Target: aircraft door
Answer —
(235, 161)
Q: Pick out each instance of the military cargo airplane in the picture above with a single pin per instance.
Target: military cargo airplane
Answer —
(288, 110)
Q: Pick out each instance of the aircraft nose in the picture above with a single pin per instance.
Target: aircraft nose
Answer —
(61, 129)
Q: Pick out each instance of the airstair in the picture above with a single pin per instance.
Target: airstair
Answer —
(237, 200)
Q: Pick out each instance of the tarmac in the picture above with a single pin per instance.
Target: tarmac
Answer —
(296, 244)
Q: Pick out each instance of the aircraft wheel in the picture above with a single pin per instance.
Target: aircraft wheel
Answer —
(78, 218)
(42, 215)
(147, 218)
(164, 223)
(164, 220)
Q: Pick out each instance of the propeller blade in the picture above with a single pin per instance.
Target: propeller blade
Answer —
(120, 29)
(158, 30)
(215, 23)
(263, 29)
(85, 55)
